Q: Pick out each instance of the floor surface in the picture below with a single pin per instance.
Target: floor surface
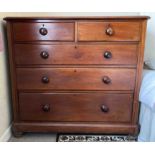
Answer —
(35, 137)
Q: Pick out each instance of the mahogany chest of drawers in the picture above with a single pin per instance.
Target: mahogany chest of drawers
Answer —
(76, 74)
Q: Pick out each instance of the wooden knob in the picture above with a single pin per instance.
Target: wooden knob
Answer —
(45, 79)
(46, 108)
(106, 80)
(107, 54)
(43, 31)
(109, 31)
(44, 54)
(104, 108)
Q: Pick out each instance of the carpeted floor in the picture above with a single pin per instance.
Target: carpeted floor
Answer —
(35, 137)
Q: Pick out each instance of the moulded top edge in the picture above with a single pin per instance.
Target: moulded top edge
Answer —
(78, 18)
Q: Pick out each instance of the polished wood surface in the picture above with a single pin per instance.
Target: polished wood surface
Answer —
(78, 18)
(75, 78)
(76, 127)
(81, 106)
(108, 31)
(32, 54)
(76, 74)
(54, 31)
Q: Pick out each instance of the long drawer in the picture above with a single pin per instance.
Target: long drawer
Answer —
(109, 31)
(108, 54)
(55, 31)
(81, 107)
(76, 78)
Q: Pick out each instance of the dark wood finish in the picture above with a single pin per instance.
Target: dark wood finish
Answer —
(76, 74)
(50, 31)
(32, 54)
(108, 31)
(78, 18)
(43, 31)
(44, 54)
(82, 107)
(105, 108)
(12, 73)
(107, 80)
(16, 133)
(77, 127)
(75, 79)
(140, 64)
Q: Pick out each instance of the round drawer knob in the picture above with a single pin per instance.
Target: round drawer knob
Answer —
(106, 80)
(44, 54)
(107, 54)
(45, 79)
(104, 108)
(43, 31)
(109, 31)
(46, 108)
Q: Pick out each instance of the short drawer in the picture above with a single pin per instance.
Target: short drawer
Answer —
(108, 31)
(108, 54)
(81, 107)
(75, 78)
(43, 31)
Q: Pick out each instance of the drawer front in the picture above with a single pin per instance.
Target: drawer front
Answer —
(43, 31)
(75, 107)
(76, 78)
(109, 54)
(108, 31)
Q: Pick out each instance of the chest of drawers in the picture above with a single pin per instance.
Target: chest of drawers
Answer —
(76, 74)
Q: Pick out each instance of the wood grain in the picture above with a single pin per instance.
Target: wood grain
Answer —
(29, 54)
(96, 31)
(31, 31)
(75, 79)
(75, 107)
(76, 74)
(76, 127)
(60, 18)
